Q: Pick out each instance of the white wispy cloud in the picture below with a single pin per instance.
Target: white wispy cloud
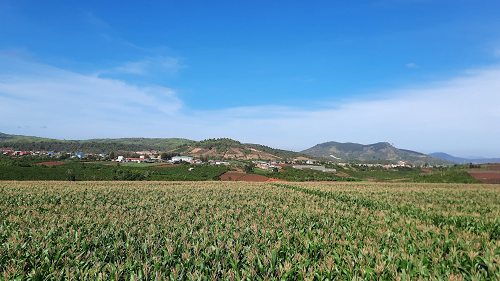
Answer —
(411, 65)
(458, 116)
(148, 65)
(41, 95)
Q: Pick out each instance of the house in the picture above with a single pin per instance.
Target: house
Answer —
(182, 158)
(318, 168)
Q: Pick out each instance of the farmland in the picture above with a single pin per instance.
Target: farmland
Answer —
(249, 231)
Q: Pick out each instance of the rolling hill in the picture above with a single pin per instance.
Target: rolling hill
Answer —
(225, 148)
(18, 142)
(222, 148)
(345, 152)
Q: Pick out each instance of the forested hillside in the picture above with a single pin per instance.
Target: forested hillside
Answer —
(17, 142)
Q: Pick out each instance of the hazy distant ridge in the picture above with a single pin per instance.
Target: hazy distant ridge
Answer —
(460, 160)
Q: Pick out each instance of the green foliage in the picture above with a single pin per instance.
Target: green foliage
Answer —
(292, 174)
(93, 145)
(244, 231)
(100, 172)
(248, 168)
(451, 177)
(220, 145)
(283, 154)
(378, 173)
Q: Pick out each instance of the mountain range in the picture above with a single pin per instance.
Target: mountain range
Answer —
(460, 160)
(381, 152)
(372, 153)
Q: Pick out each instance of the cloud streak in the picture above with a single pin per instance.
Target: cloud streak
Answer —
(459, 116)
(148, 65)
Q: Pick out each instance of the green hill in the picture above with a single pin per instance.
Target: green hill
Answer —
(18, 142)
(346, 152)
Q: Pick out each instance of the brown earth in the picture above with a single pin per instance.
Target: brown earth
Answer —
(246, 153)
(278, 180)
(425, 170)
(486, 177)
(232, 175)
(253, 178)
(53, 163)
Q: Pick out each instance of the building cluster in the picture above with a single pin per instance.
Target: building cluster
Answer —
(271, 165)
(318, 168)
(25, 153)
(387, 166)
(152, 157)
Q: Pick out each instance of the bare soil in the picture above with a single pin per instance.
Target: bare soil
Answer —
(486, 177)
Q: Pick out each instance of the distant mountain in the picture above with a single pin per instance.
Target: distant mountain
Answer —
(460, 160)
(378, 152)
(19, 142)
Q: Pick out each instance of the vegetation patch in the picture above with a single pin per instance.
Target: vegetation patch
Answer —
(451, 177)
(248, 231)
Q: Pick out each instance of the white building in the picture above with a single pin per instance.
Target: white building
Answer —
(182, 158)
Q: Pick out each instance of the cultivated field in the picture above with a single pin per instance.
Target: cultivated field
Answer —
(251, 231)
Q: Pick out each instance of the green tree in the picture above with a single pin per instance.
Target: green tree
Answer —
(249, 167)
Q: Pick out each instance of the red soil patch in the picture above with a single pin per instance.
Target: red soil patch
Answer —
(425, 170)
(486, 177)
(279, 180)
(232, 175)
(253, 178)
(53, 163)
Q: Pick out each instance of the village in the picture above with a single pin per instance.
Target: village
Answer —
(156, 157)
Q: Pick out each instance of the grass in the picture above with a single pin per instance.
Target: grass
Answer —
(452, 177)
(102, 172)
(248, 231)
(141, 164)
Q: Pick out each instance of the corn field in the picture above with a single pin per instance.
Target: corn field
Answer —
(248, 231)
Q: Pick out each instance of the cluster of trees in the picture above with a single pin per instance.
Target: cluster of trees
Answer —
(284, 154)
(292, 174)
(78, 171)
(220, 145)
(94, 146)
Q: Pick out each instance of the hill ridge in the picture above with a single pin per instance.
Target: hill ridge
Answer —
(376, 152)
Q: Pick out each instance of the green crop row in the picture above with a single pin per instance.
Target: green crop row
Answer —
(247, 231)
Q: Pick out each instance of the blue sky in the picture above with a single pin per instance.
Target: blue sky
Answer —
(422, 74)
